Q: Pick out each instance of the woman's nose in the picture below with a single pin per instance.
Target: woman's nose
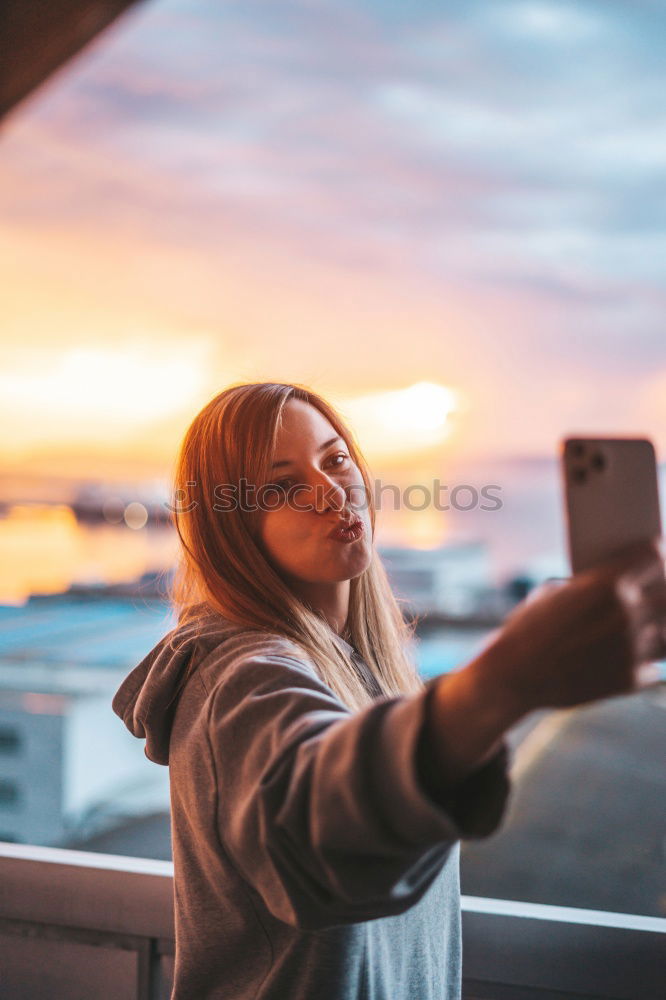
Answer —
(328, 495)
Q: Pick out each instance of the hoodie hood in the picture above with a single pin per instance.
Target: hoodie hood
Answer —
(147, 699)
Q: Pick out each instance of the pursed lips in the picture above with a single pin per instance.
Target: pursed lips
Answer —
(344, 525)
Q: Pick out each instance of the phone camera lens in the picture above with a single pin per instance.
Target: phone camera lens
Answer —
(598, 461)
(577, 450)
(578, 474)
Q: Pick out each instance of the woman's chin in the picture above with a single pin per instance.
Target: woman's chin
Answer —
(355, 562)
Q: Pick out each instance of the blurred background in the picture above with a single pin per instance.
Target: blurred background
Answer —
(450, 221)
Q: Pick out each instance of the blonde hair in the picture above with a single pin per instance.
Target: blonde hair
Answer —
(222, 566)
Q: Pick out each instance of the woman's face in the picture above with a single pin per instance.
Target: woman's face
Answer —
(317, 487)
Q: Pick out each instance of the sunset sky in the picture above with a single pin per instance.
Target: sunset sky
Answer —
(359, 196)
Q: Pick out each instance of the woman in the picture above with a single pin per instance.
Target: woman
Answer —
(319, 789)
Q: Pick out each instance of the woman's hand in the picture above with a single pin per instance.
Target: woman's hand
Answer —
(584, 639)
(567, 644)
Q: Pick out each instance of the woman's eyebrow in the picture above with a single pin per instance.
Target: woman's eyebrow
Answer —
(322, 447)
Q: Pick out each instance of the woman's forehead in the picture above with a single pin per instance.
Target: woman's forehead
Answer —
(302, 422)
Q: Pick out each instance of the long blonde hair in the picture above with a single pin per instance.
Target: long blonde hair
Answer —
(222, 566)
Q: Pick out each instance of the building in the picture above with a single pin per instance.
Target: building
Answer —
(451, 579)
(68, 768)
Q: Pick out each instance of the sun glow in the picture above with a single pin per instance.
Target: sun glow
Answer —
(95, 393)
(402, 421)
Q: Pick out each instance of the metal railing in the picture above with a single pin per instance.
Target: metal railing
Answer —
(75, 925)
(109, 919)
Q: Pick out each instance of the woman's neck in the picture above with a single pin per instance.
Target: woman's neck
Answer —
(330, 600)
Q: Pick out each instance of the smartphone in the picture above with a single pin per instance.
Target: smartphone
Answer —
(611, 496)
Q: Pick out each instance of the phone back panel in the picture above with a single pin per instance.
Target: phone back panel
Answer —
(612, 496)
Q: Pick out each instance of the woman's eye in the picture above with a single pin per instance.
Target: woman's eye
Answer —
(280, 489)
(273, 494)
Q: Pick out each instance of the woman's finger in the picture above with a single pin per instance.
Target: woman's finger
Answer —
(644, 602)
(646, 675)
(639, 559)
(650, 643)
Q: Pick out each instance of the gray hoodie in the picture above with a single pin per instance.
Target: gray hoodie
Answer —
(315, 857)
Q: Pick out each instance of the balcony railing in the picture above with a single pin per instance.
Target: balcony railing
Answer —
(75, 925)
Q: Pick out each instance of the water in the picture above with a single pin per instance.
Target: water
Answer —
(44, 549)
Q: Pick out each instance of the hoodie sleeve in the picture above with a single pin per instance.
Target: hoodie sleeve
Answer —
(323, 810)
